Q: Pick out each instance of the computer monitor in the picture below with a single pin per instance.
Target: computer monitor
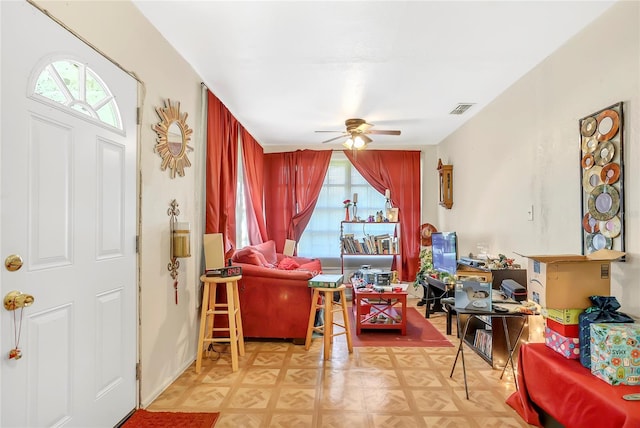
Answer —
(444, 247)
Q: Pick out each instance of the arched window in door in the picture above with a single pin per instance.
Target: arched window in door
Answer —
(74, 85)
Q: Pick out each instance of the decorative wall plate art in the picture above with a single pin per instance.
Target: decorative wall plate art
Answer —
(602, 173)
(591, 179)
(174, 134)
(590, 224)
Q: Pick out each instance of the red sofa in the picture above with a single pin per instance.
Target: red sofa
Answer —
(275, 297)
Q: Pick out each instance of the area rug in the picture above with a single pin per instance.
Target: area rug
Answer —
(144, 419)
(420, 333)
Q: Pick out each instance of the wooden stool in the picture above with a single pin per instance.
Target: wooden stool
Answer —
(210, 308)
(327, 327)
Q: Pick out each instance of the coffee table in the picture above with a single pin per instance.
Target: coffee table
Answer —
(386, 310)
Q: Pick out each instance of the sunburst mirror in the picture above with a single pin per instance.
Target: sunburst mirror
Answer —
(174, 134)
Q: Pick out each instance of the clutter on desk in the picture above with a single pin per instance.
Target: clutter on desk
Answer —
(473, 295)
(502, 262)
(513, 290)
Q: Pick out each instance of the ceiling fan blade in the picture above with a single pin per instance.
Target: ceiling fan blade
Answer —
(333, 139)
(329, 131)
(363, 127)
(383, 132)
(366, 139)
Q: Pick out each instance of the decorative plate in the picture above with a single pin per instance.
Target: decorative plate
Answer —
(604, 202)
(425, 234)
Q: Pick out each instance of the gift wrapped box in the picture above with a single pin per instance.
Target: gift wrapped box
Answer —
(567, 330)
(563, 316)
(604, 310)
(568, 347)
(615, 353)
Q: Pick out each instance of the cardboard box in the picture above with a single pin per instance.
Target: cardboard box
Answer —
(568, 347)
(473, 295)
(567, 330)
(566, 281)
(563, 316)
(615, 353)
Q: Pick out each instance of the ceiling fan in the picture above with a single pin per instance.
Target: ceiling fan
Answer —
(357, 134)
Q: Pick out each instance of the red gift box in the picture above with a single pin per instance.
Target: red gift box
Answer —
(567, 330)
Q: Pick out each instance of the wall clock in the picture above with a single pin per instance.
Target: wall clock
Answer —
(445, 173)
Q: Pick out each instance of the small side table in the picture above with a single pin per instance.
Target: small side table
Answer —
(511, 346)
(209, 310)
(387, 302)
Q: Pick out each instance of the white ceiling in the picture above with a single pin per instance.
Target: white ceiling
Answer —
(288, 68)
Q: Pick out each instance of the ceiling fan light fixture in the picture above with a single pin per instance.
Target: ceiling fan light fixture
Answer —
(358, 142)
(357, 134)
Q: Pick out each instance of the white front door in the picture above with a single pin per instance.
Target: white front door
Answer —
(68, 209)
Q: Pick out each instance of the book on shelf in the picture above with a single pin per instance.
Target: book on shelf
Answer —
(370, 244)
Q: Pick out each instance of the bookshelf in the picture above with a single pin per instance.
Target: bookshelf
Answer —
(370, 239)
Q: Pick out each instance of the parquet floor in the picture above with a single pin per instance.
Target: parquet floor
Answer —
(279, 384)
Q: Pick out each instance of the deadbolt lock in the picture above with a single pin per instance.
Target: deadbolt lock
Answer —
(13, 262)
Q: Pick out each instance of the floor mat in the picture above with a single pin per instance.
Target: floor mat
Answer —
(144, 419)
(420, 332)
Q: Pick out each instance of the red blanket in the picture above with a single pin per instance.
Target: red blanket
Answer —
(568, 391)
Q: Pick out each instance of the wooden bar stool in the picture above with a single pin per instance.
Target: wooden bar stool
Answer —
(327, 327)
(209, 310)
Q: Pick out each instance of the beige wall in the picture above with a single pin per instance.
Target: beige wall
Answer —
(526, 151)
(169, 331)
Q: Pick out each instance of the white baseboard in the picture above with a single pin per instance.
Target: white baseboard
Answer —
(146, 401)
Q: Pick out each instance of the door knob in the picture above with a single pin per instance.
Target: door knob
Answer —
(13, 262)
(15, 300)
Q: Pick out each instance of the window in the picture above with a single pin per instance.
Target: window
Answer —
(242, 232)
(78, 88)
(321, 238)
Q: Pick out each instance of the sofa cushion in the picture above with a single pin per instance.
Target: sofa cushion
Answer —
(313, 266)
(251, 256)
(251, 271)
(268, 250)
(288, 264)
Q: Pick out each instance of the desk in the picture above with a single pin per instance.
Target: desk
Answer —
(568, 392)
(435, 290)
(511, 345)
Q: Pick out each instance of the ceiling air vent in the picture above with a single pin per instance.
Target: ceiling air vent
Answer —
(461, 108)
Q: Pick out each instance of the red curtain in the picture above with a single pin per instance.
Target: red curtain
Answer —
(222, 171)
(292, 183)
(398, 171)
(279, 204)
(253, 160)
(311, 167)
